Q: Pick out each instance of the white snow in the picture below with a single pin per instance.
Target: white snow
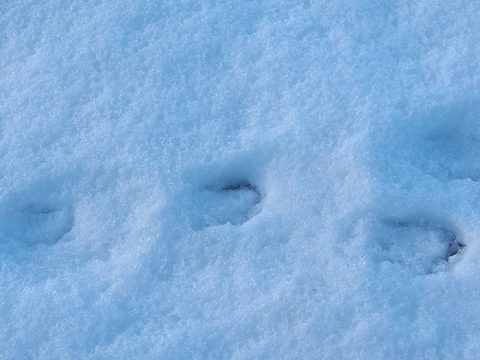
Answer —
(239, 179)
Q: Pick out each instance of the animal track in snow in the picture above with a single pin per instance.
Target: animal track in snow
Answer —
(36, 223)
(456, 157)
(233, 202)
(422, 245)
(224, 192)
(443, 142)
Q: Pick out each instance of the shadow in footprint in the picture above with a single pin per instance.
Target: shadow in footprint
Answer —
(422, 245)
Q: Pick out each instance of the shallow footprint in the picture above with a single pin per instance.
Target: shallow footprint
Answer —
(443, 142)
(36, 223)
(422, 245)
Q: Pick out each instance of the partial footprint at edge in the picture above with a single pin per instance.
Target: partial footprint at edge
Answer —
(443, 142)
(420, 244)
(36, 223)
(233, 202)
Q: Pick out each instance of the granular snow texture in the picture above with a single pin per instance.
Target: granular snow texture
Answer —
(239, 179)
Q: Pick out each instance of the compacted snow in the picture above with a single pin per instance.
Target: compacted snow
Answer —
(239, 179)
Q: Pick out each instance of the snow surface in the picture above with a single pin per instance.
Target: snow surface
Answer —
(239, 179)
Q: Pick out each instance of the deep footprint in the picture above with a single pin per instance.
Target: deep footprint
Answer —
(36, 224)
(233, 202)
(421, 245)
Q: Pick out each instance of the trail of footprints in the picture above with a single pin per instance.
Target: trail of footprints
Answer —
(419, 243)
(28, 223)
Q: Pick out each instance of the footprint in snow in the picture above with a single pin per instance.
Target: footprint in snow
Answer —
(36, 223)
(422, 245)
(233, 202)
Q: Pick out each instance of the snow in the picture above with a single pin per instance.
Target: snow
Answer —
(239, 180)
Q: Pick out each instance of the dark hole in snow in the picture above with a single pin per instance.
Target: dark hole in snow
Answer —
(234, 186)
(243, 185)
(454, 247)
